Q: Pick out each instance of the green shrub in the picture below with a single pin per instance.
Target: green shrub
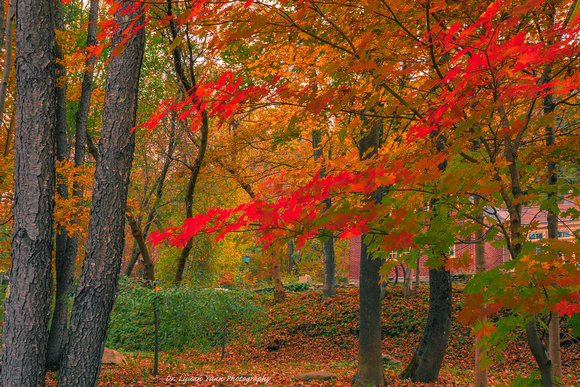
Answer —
(298, 287)
(188, 317)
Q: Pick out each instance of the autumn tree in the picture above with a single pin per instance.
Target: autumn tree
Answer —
(94, 298)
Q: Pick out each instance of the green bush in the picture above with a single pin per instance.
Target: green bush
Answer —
(188, 317)
(298, 287)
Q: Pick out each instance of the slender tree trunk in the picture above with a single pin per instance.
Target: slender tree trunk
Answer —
(540, 354)
(138, 235)
(370, 359)
(94, 299)
(481, 379)
(279, 294)
(158, 197)
(329, 286)
(189, 86)
(9, 137)
(426, 362)
(65, 260)
(189, 198)
(418, 273)
(7, 61)
(27, 308)
(64, 275)
(554, 350)
(407, 286)
(290, 256)
(2, 23)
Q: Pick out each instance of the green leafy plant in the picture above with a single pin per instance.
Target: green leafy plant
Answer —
(188, 317)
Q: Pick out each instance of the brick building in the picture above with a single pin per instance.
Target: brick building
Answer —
(493, 256)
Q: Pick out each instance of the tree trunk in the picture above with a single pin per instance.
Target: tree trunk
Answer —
(418, 273)
(93, 302)
(279, 294)
(540, 354)
(481, 379)
(290, 256)
(554, 351)
(426, 362)
(138, 235)
(27, 307)
(7, 61)
(158, 197)
(370, 359)
(329, 286)
(407, 286)
(64, 273)
(189, 87)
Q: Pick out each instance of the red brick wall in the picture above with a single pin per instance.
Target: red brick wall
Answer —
(493, 257)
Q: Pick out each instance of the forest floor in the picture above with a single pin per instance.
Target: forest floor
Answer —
(306, 335)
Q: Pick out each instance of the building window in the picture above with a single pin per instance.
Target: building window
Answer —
(393, 255)
(563, 234)
(452, 251)
(535, 236)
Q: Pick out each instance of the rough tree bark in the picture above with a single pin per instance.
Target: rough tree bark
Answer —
(27, 307)
(64, 277)
(94, 298)
(370, 359)
(65, 260)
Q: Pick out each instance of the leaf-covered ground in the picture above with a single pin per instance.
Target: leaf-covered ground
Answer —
(314, 336)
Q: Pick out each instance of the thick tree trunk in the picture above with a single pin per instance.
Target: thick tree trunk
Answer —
(370, 360)
(27, 308)
(97, 285)
(64, 274)
(426, 362)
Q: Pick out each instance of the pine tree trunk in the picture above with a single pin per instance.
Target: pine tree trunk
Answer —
(27, 307)
(93, 302)
(64, 274)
